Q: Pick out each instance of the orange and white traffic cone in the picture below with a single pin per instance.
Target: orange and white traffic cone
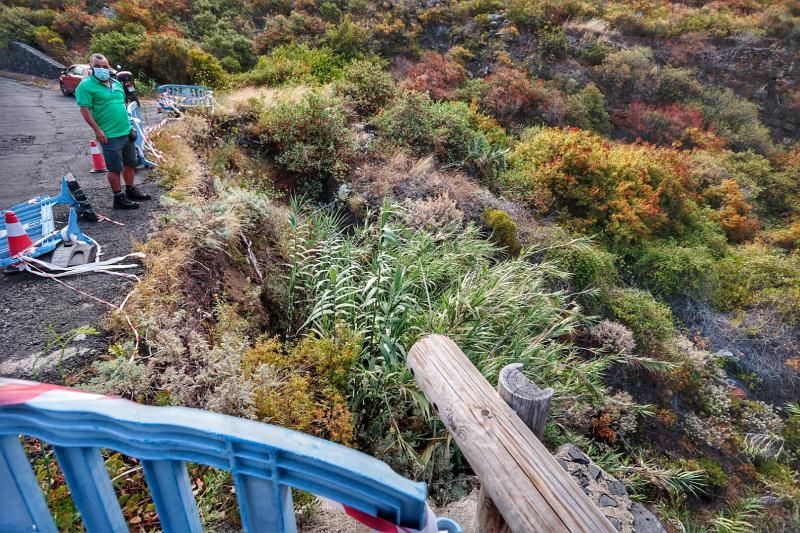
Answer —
(98, 161)
(18, 240)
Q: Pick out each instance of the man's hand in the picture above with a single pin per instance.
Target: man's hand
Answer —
(101, 137)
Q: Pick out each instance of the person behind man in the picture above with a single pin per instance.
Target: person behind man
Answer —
(102, 103)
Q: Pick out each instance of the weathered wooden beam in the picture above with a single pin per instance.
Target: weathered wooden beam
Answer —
(530, 489)
(532, 405)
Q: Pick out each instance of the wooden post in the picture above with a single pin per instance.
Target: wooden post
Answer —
(530, 489)
(526, 399)
(532, 405)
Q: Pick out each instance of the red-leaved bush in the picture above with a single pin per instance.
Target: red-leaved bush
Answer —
(435, 75)
(511, 96)
(658, 124)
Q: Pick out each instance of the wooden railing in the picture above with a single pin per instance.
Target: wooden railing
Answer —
(529, 489)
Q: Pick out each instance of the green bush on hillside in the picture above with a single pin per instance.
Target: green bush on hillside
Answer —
(587, 110)
(736, 120)
(649, 320)
(296, 64)
(444, 129)
(309, 138)
(759, 275)
(591, 267)
(118, 47)
(366, 86)
(629, 73)
(20, 23)
(348, 39)
(171, 59)
(669, 269)
(234, 50)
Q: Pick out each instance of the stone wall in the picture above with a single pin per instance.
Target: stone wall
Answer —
(21, 58)
(607, 493)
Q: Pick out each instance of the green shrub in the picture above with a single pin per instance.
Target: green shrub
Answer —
(348, 39)
(20, 23)
(629, 72)
(759, 275)
(590, 266)
(504, 230)
(791, 432)
(295, 64)
(552, 42)
(366, 86)
(668, 269)
(595, 53)
(444, 129)
(678, 85)
(736, 120)
(309, 138)
(234, 50)
(716, 478)
(649, 320)
(587, 110)
(172, 59)
(50, 42)
(117, 46)
(775, 472)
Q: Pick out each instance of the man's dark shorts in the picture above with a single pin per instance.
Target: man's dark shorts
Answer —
(119, 151)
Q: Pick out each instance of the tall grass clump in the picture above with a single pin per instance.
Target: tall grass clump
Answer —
(391, 284)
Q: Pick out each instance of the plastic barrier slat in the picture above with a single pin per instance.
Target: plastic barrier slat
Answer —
(264, 505)
(91, 489)
(172, 494)
(21, 498)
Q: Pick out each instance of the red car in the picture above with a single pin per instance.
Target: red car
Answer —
(71, 77)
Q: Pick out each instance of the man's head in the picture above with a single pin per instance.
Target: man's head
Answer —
(100, 67)
(98, 60)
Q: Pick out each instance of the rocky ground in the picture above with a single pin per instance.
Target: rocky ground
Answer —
(42, 138)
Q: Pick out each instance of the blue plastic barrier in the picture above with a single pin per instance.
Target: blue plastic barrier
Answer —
(266, 462)
(135, 117)
(174, 97)
(36, 216)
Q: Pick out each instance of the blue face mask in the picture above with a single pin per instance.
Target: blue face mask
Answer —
(101, 73)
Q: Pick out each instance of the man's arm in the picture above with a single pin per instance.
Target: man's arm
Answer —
(87, 116)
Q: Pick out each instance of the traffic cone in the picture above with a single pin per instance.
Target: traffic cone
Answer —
(98, 161)
(18, 240)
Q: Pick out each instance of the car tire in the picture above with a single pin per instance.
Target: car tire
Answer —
(63, 89)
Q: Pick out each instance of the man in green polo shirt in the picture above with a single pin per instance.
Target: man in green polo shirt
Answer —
(102, 102)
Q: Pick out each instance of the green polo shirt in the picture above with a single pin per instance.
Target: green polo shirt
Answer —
(106, 104)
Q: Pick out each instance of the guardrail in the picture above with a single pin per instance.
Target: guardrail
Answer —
(265, 461)
(519, 477)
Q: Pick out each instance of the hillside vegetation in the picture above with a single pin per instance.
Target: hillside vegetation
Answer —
(605, 191)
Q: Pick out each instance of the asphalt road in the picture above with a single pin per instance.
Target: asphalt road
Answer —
(42, 137)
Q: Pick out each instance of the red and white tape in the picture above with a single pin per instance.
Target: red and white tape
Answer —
(18, 391)
(379, 525)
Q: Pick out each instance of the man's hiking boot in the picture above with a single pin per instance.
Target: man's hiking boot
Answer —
(121, 202)
(133, 194)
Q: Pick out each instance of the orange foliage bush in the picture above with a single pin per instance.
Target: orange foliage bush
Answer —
(74, 23)
(658, 124)
(733, 211)
(601, 428)
(632, 192)
(435, 75)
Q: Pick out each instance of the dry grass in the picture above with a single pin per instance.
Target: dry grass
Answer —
(417, 182)
(239, 100)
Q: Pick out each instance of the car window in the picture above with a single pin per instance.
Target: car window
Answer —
(79, 71)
